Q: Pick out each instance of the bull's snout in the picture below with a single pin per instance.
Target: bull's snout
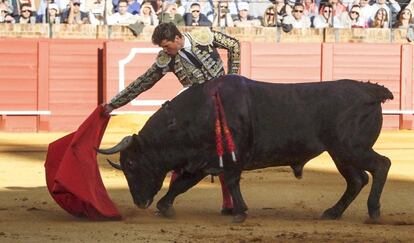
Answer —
(144, 204)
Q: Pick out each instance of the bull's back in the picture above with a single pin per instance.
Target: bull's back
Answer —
(306, 119)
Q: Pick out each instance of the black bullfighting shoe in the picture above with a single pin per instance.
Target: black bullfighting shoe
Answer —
(227, 211)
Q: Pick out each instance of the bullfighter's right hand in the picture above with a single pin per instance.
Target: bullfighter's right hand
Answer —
(108, 108)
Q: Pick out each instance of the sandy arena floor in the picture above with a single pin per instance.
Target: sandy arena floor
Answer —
(281, 208)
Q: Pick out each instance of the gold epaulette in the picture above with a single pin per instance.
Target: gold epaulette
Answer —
(202, 36)
(163, 59)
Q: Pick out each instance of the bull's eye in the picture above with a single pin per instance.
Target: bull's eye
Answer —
(130, 163)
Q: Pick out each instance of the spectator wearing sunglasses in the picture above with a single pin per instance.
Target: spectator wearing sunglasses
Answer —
(52, 17)
(243, 19)
(195, 18)
(269, 17)
(326, 19)
(223, 16)
(5, 16)
(25, 14)
(73, 14)
(298, 20)
(353, 18)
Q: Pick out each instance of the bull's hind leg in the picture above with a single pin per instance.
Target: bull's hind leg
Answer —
(378, 166)
(180, 185)
(355, 178)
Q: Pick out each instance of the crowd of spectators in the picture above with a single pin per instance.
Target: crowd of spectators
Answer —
(226, 13)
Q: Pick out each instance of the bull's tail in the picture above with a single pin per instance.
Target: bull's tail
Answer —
(378, 92)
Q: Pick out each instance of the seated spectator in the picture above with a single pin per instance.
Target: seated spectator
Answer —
(405, 19)
(380, 19)
(391, 6)
(352, 19)
(134, 6)
(25, 16)
(73, 14)
(223, 17)
(243, 19)
(32, 4)
(337, 7)
(180, 7)
(258, 7)
(122, 17)
(148, 15)
(269, 17)
(5, 16)
(366, 11)
(298, 20)
(170, 15)
(310, 8)
(195, 18)
(62, 5)
(97, 12)
(282, 10)
(326, 19)
(53, 16)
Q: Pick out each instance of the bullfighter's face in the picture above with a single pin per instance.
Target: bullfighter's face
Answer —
(172, 47)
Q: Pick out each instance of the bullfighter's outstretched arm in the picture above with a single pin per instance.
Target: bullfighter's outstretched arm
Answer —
(233, 50)
(142, 83)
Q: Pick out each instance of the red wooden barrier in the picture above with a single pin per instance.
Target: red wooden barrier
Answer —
(70, 77)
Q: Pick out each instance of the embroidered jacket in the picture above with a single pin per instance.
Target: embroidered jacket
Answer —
(203, 45)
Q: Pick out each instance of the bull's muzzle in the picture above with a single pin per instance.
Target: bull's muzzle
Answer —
(144, 204)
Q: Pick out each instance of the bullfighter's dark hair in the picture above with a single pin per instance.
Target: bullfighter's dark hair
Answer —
(165, 31)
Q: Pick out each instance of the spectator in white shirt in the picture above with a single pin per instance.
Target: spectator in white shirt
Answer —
(122, 17)
(298, 20)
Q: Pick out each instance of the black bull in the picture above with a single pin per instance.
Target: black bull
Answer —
(272, 125)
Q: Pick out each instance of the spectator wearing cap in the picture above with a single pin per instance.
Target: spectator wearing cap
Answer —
(122, 17)
(53, 11)
(243, 19)
(25, 16)
(170, 15)
(298, 20)
(195, 18)
(223, 18)
(73, 14)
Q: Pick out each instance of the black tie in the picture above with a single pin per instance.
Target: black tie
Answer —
(192, 58)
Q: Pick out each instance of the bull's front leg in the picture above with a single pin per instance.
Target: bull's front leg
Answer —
(232, 181)
(180, 185)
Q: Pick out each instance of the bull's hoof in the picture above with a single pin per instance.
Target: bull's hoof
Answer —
(331, 214)
(167, 212)
(226, 211)
(239, 218)
(374, 214)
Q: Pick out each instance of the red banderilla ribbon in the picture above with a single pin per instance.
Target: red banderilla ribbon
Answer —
(227, 133)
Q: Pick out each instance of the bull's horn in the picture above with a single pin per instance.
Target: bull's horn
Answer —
(115, 165)
(126, 141)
